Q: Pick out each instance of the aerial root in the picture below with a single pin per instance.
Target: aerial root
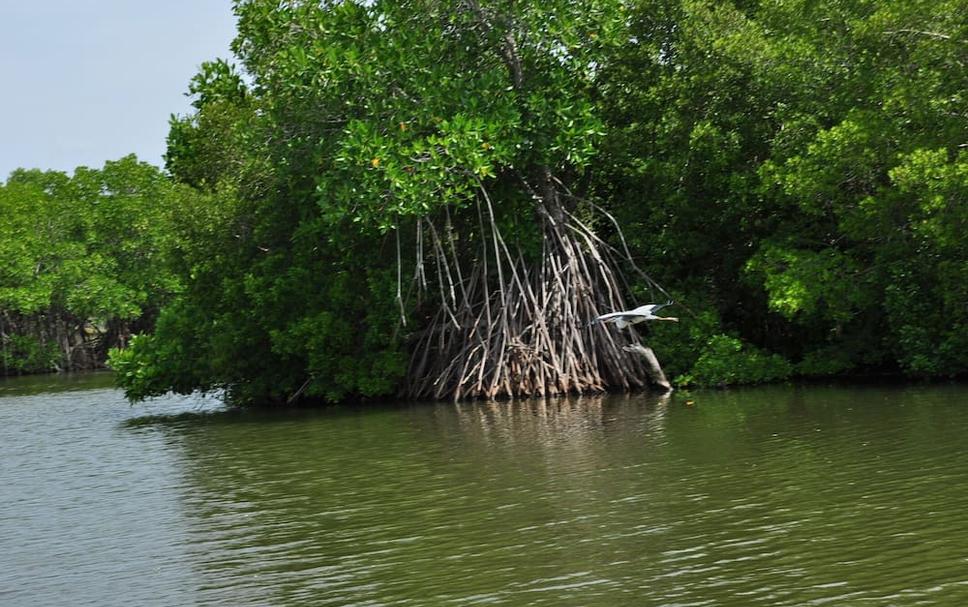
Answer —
(506, 327)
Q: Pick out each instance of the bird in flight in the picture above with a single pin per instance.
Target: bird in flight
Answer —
(631, 317)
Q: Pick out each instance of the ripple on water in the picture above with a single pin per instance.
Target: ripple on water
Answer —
(775, 496)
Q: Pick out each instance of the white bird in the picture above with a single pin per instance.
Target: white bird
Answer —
(631, 317)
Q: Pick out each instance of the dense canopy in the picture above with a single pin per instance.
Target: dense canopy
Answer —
(433, 199)
(83, 262)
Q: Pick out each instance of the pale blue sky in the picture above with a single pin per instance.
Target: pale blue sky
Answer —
(84, 81)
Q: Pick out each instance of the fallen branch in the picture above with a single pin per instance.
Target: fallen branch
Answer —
(658, 376)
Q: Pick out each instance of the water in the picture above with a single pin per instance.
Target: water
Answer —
(768, 496)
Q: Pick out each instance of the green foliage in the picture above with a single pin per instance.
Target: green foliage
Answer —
(697, 352)
(208, 144)
(360, 119)
(678, 345)
(93, 245)
(396, 109)
(165, 361)
(21, 354)
(83, 253)
(825, 362)
(809, 283)
(796, 168)
(802, 165)
(725, 360)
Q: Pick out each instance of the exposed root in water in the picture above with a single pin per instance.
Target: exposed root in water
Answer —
(505, 326)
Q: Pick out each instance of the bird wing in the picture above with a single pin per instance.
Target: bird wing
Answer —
(614, 315)
(650, 309)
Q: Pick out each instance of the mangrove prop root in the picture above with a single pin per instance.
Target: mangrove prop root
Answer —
(507, 327)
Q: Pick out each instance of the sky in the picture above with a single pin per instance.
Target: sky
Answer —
(85, 81)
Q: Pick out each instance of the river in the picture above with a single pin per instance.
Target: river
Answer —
(765, 496)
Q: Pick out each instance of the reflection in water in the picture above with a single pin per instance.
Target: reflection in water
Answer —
(53, 383)
(762, 497)
(772, 496)
(551, 420)
(465, 502)
(88, 509)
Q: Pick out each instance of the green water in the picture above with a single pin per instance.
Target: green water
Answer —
(768, 496)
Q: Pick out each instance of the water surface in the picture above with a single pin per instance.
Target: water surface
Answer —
(767, 496)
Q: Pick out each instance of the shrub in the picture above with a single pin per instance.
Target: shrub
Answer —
(726, 360)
